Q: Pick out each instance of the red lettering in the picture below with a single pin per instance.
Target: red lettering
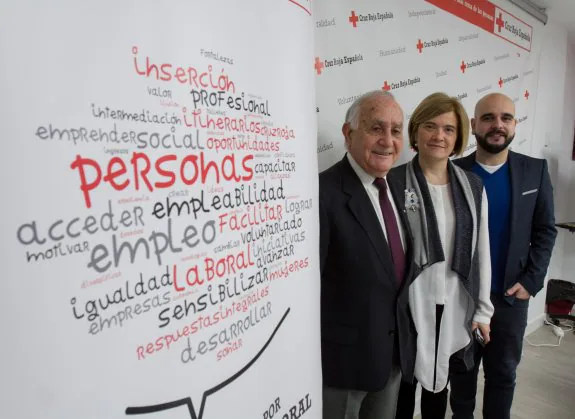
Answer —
(196, 277)
(166, 75)
(192, 76)
(179, 289)
(135, 52)
(247, 169)
(159, 344)
(193, 159)
(168, 71)
(202, 83)
(190, 171)
(85, 186)
(113, 174)
(143, 173)
(165, 173)
(206, 168)
(230, 176)
(209, 268)
(181, 75)
(169, 340)
(149, 68)
(227, 265)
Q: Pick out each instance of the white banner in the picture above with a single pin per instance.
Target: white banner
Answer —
(159, 220)
(413, 48)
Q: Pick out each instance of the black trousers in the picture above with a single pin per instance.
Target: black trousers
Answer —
(433, 405)
(500, 360)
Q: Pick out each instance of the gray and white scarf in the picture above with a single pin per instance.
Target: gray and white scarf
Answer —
(466, 191)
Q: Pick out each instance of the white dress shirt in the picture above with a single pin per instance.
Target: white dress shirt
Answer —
(373, 193)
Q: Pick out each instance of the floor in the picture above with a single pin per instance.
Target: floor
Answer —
(545, 380)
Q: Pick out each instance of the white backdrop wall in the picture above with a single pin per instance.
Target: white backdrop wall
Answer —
(567, 169)
(413, 48)
(159, 223)
(547, 134)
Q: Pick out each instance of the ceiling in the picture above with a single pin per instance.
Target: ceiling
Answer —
(562, 12)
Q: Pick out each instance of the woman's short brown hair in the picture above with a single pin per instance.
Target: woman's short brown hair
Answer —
(434, 105)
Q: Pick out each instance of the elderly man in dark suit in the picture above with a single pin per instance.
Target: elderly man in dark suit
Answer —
(522, 234)
(367, 334)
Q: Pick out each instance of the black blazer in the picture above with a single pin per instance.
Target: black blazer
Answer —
(365, 319)
(532, 233)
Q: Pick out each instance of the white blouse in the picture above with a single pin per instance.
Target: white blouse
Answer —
(438, 284)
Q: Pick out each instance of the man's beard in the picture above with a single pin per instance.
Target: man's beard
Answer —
(494, 148)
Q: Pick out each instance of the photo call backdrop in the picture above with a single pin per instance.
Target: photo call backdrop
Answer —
(412, 48)
(159, 226)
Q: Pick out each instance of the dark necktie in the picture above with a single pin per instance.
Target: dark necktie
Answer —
(392, 229)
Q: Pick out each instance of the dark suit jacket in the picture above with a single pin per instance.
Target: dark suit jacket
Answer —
(363, 313)
(532, 217)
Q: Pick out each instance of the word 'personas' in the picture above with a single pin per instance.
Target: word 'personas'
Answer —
(189, 169)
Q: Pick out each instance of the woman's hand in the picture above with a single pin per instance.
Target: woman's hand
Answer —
(483, 328)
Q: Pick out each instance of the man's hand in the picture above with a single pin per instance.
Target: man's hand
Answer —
(518, 291)
(484, 329)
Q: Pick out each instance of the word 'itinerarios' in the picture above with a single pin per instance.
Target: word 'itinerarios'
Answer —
(189, 169)
(197, 119)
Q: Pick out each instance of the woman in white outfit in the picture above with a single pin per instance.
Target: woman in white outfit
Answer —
(447, 212)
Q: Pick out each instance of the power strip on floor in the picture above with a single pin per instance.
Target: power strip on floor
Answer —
(557, 331)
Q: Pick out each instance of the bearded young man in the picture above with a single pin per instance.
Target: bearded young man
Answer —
(521, 234)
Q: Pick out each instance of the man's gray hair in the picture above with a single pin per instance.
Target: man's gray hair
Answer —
(352, 114)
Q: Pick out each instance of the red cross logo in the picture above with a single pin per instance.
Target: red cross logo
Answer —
(386, 86)
(500, 82)
(526, 94)
(499, 21)
(463, 66)
(318, 65)
(353, 19)
(419, 46)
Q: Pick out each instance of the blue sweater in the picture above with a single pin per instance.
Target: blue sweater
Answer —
(498, 188)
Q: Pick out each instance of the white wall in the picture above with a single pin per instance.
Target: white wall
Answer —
(553, 140)
(566, 212)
